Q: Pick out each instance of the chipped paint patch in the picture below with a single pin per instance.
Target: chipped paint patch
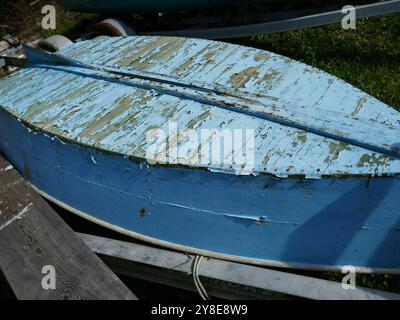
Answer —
(360, 104)
(335, 149)
(198, 120)
(240, 79)
(261, 56)
(302, 137)
(373, 160)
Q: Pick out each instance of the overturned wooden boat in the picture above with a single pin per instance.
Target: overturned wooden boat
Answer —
(107, 129)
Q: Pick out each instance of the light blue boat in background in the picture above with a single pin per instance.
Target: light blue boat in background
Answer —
(319, 187)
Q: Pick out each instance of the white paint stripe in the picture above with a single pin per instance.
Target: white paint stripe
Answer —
(7, 168)
(16, 217)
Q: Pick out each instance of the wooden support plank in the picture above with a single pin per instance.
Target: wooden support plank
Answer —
(32, 236)
(221, 278)
(177, 279)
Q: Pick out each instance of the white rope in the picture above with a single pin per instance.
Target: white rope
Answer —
(197, 282)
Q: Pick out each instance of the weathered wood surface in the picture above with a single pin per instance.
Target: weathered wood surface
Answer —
(111, 116)
(221, 278)
(364, 133)
(32, 236)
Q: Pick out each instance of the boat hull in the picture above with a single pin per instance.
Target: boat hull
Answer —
(123, 6)
(310, 224)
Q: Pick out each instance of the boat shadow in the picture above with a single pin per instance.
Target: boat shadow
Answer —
(390, 245)
(327, 238)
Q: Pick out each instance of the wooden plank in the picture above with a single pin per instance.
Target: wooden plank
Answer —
(175, 269)
(32, 236)
(215, 287)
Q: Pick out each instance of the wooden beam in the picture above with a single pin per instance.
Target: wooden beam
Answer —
(222, 279)
(32, 236)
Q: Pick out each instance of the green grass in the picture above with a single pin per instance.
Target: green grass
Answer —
(23, 20)
(368, 57)
(71, 25)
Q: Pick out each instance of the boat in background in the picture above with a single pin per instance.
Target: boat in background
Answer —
(223, 19)
(152, 6)
(318, 191)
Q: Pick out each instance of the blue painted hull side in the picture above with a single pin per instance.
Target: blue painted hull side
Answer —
(259, 219)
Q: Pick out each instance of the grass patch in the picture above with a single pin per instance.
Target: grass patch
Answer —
(23, 19)
(368, 57)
